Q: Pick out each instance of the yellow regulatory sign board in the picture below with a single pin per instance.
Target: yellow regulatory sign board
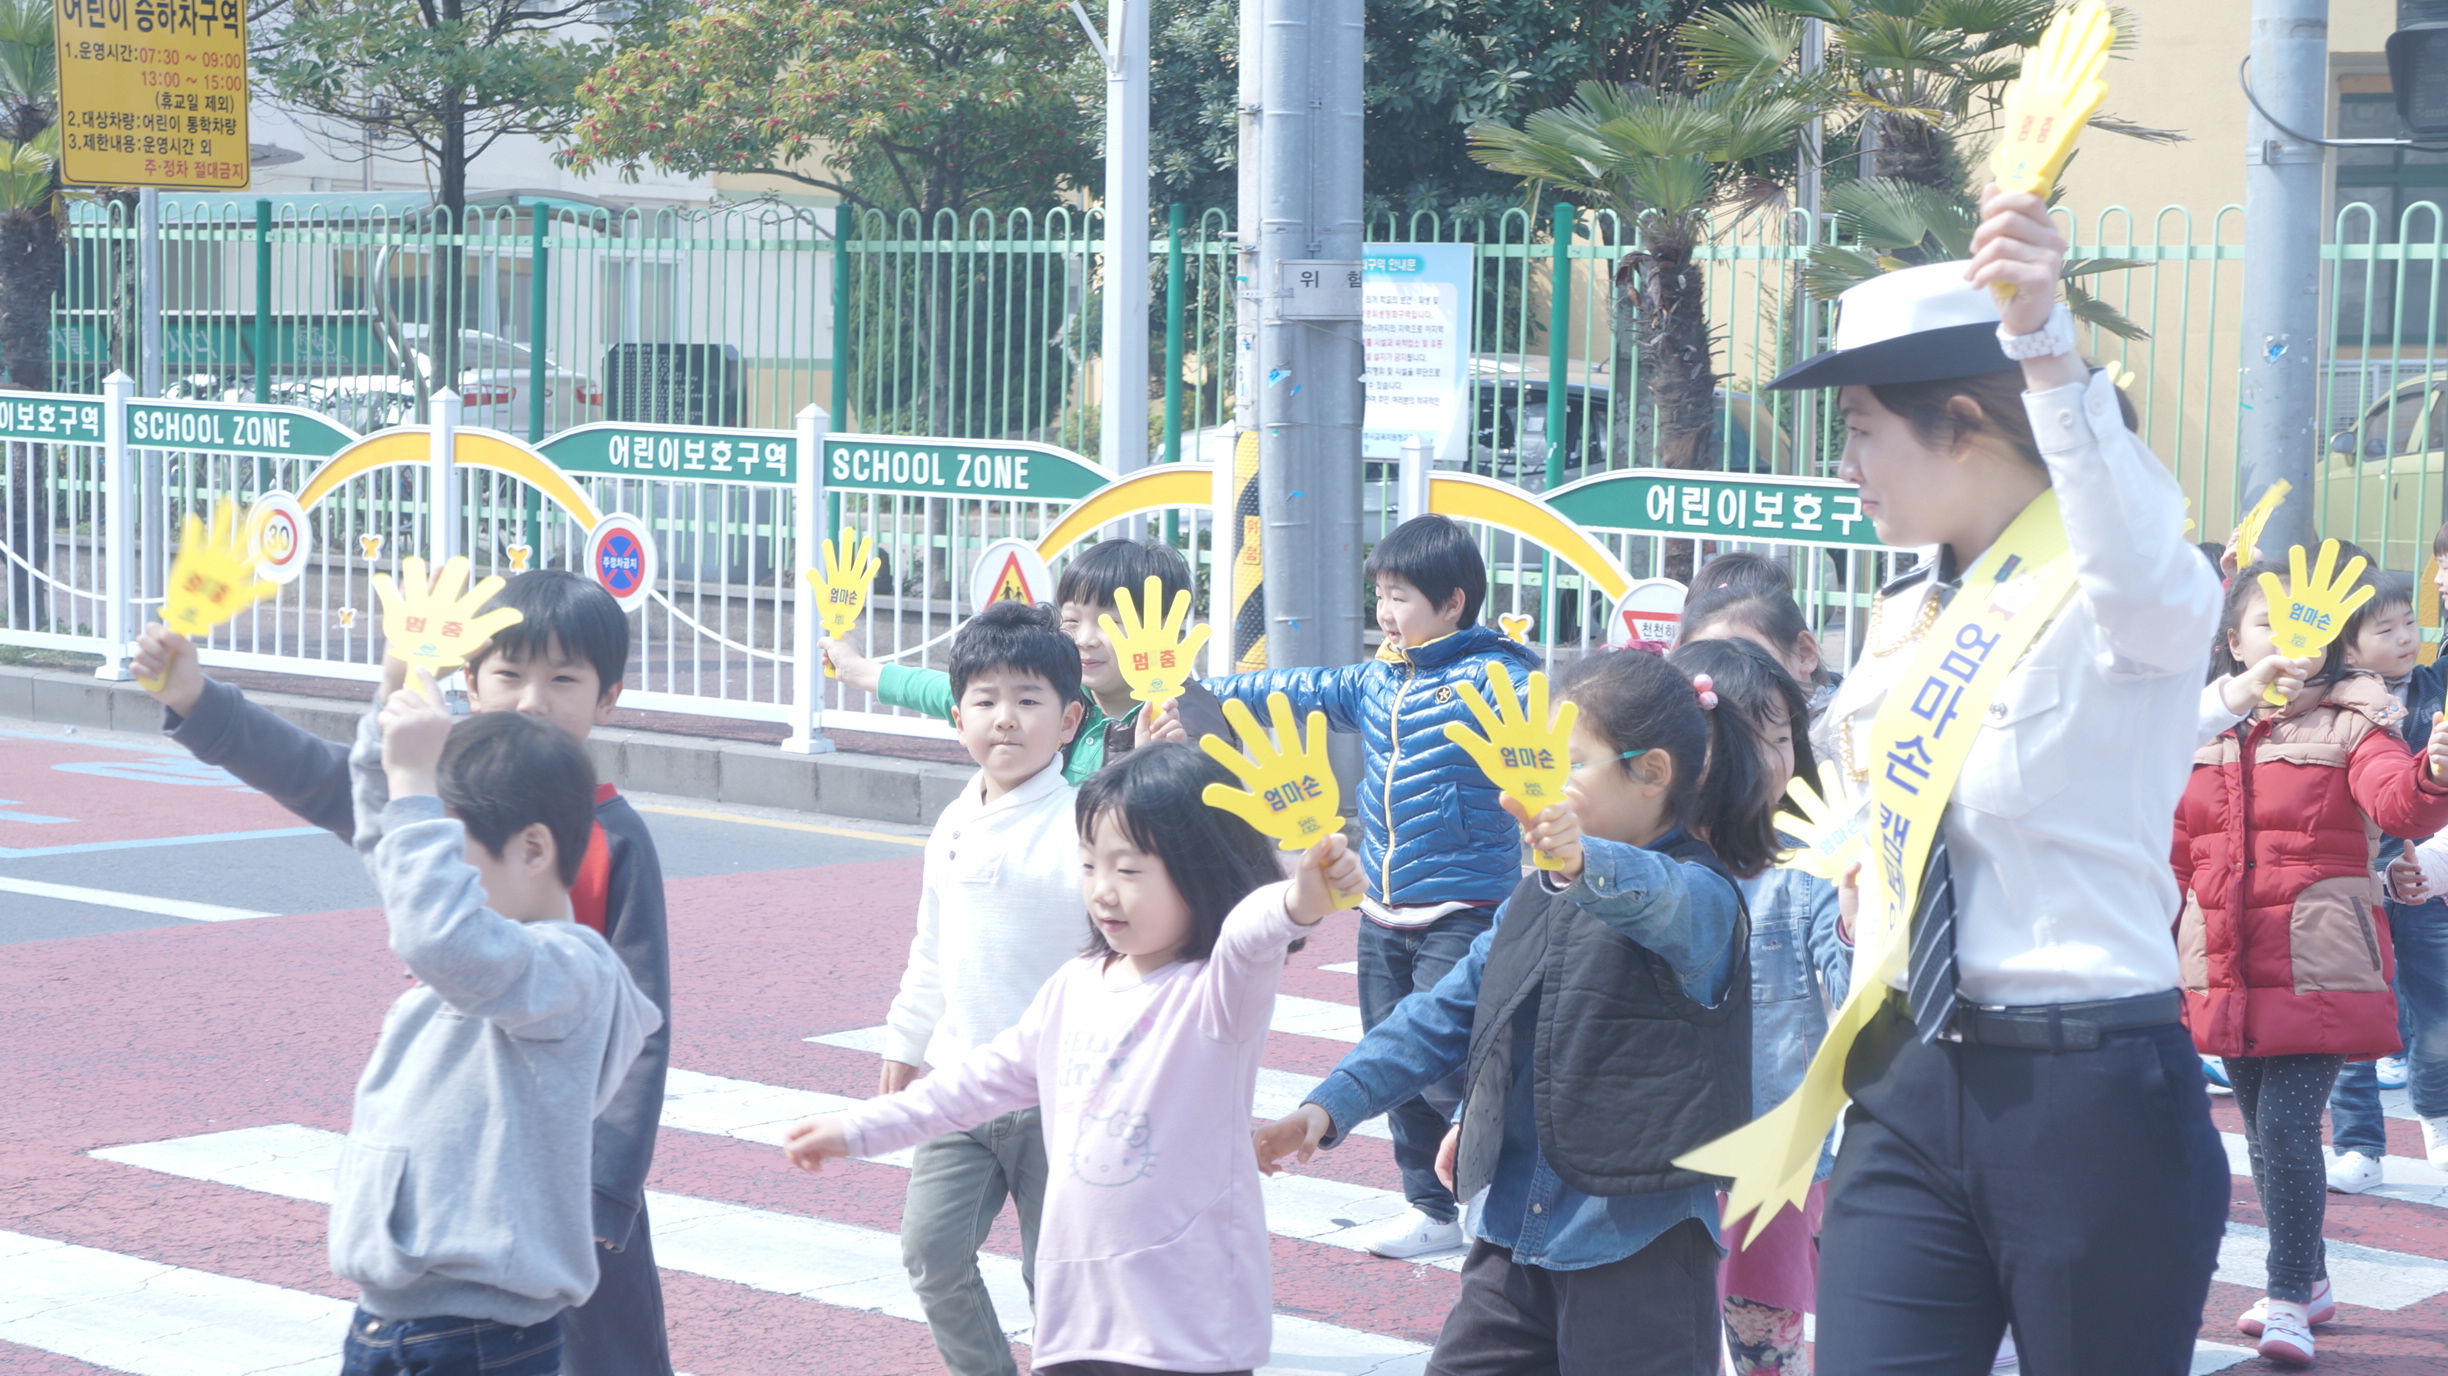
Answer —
(153, 93)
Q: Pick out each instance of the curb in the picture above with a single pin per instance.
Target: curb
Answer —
(876, 788)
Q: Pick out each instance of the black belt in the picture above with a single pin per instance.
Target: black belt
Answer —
(2062, 1026)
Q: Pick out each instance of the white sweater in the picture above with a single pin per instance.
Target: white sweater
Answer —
(999, 914)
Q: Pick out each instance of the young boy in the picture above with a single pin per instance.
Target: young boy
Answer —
(999, 914)
(462, 1207)
(1085, 592)
(2385, 638)
(564, 663)
(1440, 850)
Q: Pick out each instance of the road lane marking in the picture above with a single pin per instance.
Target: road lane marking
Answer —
(778, 824)
(133, 902)
(785, 1254)
(145, 1317)
(215, 838)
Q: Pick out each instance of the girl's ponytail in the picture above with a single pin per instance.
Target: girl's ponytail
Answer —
(1737, 808)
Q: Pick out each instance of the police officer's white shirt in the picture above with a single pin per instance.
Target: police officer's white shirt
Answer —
(2060, 823)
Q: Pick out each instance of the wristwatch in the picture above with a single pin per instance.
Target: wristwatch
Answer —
(2055, 337)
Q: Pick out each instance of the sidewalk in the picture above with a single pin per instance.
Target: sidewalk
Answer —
(876, 777)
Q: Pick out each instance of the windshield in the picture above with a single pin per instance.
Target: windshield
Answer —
(2393, 422)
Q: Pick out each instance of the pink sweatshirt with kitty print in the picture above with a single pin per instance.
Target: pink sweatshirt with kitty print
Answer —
(1153, 1247)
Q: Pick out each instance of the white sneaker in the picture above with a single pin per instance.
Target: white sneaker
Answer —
(1411, 1234)
(2322, 1309)
(2353, 1173)
(2286, 1337)
(2435, 1141)
(2390, 1071)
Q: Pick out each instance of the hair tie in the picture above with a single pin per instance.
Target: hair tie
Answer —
(1706, 687)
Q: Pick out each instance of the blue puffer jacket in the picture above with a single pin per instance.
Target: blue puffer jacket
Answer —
(1430, 827)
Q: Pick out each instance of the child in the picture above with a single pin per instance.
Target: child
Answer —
(1744, 596)
(564, 663)
(1604, 1028)
(1085, 592)
(1440, 852)
(997, 916)
(1800, 968)
(2282, 941)
(2383, 638)
(1144, 1055)
(462, 1207)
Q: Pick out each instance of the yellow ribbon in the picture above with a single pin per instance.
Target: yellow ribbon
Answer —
(1920, 738)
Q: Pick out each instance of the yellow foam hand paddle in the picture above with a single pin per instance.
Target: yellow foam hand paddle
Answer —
(1830, 831)
(436, 623)
(213, 578)
(1154, 656)
(1288, 790)
(2246, 542)
(2307, 613)
(2064, 79)
(841, 587)
(1523, 752)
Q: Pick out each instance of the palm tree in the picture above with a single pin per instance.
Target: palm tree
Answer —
(1666, 163)
(32, 264)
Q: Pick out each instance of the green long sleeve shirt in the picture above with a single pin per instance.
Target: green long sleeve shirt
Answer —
(930, 691)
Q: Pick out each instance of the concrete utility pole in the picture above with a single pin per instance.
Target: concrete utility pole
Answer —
(1305, 281)
(1122, 436)
(2281, 349)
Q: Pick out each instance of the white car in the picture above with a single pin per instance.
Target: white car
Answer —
(493, 378)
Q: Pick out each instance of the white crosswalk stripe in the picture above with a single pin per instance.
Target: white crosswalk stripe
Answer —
(129, 1314)
(787, 1254)
(2401, 1177)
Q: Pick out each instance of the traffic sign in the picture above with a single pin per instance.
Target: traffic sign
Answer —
(225, 428)
(1009, 570)
(153, 94)
(1652, 609)
(276, 527)
(1720, 506)
(1015, 469)
(618, 449)
(620, 555)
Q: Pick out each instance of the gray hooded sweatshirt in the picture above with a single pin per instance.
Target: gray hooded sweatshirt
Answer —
(464, 1188)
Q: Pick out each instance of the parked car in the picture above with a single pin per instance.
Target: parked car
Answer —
(2385, 482)
(493, 379)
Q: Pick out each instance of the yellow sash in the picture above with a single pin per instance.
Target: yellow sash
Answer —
(1919, 740)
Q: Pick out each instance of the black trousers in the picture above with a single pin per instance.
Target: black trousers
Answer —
(619, 1330)
(1654, 1313)
(2078, 1195)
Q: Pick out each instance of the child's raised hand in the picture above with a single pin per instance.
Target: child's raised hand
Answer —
(1325, 870)
(2274, 675)
(2436, 753)
(847, 664)
(1554, 832)
(1295, 1135)
(414, 727)
(2405, 880)
(166, 666)
(896, 1076)
(813, 1141)
(1160, 722)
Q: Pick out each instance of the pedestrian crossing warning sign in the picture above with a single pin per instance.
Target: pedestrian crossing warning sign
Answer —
(153, 93)
(1010, 570)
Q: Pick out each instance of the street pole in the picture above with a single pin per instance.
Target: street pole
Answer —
(2279, 386)
(1122, 438)
(153, 479)
(1807, 183)
(1309, 358)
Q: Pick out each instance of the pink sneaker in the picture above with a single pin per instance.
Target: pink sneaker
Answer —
(2322, 1307)
(2286, 1338)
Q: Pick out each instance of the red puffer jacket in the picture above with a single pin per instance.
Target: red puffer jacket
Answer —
(2283, 941)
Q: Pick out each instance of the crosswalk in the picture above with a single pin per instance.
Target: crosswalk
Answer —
(126, 1313)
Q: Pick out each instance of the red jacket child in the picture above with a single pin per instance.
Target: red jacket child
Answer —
(2283, 940)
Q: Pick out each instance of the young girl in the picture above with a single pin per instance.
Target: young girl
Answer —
(1603, 1027)
(2282, 941)
(1800, 968)
(1746, 597)
(1144, 1055)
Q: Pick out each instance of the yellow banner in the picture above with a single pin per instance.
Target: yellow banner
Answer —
(153, 93)
(1919, 741)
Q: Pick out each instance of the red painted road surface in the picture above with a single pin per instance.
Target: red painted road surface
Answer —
(126, 1037)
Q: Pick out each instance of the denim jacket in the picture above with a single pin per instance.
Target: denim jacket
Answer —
(1686, 914)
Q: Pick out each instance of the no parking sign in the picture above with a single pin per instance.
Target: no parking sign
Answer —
(620, 556)
(276, 529)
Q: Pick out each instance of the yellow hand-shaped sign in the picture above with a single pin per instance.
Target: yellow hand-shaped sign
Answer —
(1154, 657)
(1288, 790)
(1830, 832)
(430, 622)
(2246, 542)
(2061, 87)
(213, 578)
(841, 589)
(1523, 752)
(2307, 613)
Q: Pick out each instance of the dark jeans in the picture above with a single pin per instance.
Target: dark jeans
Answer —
(2280, 1098)
(446, 1346)
(1654, 1313)
(1395, 963)
(2420, 934)
(2082, 1193)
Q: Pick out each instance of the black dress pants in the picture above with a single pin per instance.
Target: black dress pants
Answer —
(2078, 1195)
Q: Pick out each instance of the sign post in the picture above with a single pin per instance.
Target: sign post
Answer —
(807, 537)
(153, 95)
